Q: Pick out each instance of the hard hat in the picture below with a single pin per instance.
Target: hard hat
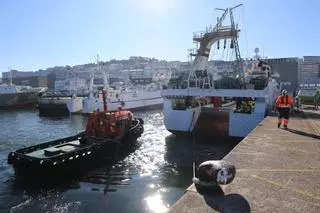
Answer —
(284, 92)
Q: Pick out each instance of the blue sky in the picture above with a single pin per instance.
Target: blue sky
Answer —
(37, 34)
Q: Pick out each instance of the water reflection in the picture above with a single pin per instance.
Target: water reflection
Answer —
(155, 203)
(150, 179)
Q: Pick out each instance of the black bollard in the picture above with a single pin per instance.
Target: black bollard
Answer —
(212, 174)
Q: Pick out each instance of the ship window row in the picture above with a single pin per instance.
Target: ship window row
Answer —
(309, 85)
(7, 88)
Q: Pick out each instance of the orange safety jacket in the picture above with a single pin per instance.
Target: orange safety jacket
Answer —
(284, 101)
(123, 114)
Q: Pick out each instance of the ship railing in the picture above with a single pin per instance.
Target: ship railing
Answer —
(193, 51)
(307, 92)
(224, 28)
(199, 35)
(202, 84)
(172, 93)
(310, 86)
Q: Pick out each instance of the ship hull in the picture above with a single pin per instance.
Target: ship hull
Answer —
(206, 121)
(138, 105)
(144, 101)
(19, 100)
(224, 121)
(210, 122)
(75, 105)
(72, 156)
(55, 106)
(203, 121)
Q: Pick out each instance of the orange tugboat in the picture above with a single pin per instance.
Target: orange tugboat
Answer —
(108, 135)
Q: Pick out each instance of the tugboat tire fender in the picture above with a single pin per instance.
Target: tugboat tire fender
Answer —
(141, 121)
(10, 158)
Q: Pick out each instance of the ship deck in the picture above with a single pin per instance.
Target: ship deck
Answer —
(277, 171)
(66, 147)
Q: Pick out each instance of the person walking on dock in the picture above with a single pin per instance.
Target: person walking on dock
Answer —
(283, 104)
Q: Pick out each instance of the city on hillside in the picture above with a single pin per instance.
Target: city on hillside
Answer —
(295, 73)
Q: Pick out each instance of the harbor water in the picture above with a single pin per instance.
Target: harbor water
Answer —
(150, 179)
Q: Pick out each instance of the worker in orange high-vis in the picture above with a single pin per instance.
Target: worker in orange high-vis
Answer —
(283, 105)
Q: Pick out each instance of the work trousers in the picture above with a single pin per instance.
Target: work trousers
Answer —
(283, 113)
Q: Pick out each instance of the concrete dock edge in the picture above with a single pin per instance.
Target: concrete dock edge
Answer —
(277, 171)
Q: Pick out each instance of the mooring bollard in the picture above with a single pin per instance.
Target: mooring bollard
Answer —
(213, 173)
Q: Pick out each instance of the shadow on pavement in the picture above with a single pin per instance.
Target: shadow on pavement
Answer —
(228, 203)
(217, 200)
(304, 134)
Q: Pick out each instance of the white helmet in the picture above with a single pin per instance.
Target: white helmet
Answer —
(284, 92)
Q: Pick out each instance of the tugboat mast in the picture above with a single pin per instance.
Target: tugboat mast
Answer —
(104, 96)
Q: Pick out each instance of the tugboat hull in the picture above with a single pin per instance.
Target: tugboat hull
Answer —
(70, 157)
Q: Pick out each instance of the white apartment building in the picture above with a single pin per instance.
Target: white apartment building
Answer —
(76, 85)
(309, 75)
(17, 74)
(310, 70)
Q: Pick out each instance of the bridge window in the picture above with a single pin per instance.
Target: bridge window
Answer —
(179, 104)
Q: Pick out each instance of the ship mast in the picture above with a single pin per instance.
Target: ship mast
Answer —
(104, 75)
(10, 71)
(198, 73)
(239, 64)
(100, 72)
(105, 85)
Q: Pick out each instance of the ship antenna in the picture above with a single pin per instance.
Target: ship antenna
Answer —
(10, 72)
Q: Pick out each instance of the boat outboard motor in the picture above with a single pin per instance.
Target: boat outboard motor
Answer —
(214, 173)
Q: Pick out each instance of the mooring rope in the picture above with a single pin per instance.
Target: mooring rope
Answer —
(193, 144)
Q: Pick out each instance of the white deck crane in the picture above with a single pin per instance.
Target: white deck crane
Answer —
(206, 40)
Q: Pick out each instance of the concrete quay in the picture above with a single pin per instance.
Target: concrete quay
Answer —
(277, 171)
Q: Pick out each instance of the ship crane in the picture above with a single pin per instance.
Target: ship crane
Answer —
(198, 76)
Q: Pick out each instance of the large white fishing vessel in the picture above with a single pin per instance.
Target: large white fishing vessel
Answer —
(130, 97)
(232, 104)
